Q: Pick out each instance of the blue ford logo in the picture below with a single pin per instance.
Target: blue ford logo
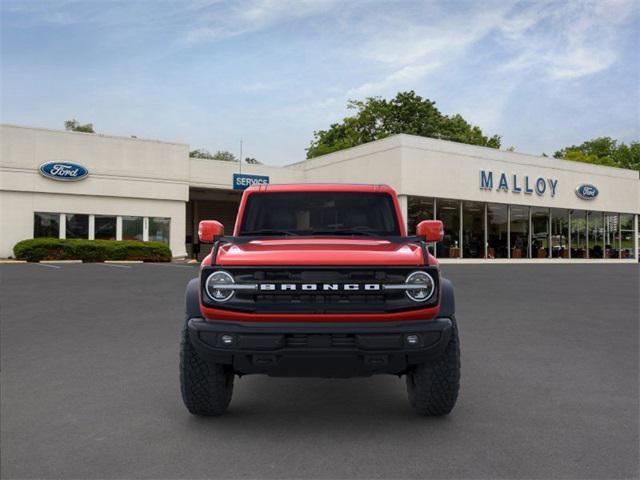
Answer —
(586, 191)
(64, 171)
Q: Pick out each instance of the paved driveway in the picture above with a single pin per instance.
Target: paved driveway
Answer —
(90, 385)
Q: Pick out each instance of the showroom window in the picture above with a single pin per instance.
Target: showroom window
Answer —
(497, 231)
(473, 241)
(101, 227)
(159, 229)
(418, 209)
(578, 234)
(611, 235)
(595, 237)
(106, 227)
(448, 211)
(626, 236)
(539, 232)
(519, 235)
(46, 225)
(77, 226)
(559, 233)
(132, 228)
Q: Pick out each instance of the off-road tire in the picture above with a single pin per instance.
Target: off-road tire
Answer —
(433, 386)
(206, 387)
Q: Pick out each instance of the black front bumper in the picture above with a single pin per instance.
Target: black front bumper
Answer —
(320, 350)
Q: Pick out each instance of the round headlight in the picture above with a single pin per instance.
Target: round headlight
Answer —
(424, 286)
(215, 286)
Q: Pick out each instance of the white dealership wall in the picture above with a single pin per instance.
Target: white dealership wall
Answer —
(152, 178)
(127, 177)
(436, 168)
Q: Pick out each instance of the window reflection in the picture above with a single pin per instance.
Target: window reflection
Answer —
(448, 211)
(519, 231)
(418, 209)
(596, 235)
(626, 236)
(46, 225)
(497, 230)
(473, 230)
(611, 235)
(105, 227)
(578, 234)
(539, 232)
(77, 226)
(132, 228)
(559, 233)
(159, 229)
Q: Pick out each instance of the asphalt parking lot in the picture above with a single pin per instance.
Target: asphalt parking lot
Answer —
(89, 381)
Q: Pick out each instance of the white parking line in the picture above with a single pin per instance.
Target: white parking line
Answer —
(172, 265)
(112, 265)
(46, 265)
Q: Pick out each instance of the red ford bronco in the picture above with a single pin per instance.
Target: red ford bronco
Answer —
(319, 281)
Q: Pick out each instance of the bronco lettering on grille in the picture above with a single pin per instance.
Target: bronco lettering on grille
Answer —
(270, 287)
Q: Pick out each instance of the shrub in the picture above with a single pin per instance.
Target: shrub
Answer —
(37, 249)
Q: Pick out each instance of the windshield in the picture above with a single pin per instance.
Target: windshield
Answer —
(320, 213)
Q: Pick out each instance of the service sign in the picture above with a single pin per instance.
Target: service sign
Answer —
(242, 181)
(586, 191)
(63, 171)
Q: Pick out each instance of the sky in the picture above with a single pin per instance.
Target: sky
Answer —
(542, 74)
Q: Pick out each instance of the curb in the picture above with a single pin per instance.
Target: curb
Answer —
(536, 261)
(60, 261)
(8, 262)
(123, 261)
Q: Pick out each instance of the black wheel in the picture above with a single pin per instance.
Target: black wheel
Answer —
(433, 386)
(206, 387)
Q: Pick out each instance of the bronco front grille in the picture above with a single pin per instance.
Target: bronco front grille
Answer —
(319, 300)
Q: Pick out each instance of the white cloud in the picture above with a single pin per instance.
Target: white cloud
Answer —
(429, 36)
(409, 47)
(400, 79)
(564, 41)
(484, 60)
(246, 17)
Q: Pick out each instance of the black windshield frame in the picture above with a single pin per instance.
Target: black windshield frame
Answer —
(320, 213)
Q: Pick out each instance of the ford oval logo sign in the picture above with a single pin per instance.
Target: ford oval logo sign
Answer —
(64, 171)
(586, 191)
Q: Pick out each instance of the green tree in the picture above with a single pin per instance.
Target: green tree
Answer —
(604, 151)
(75, 126)
(219, 155)
(377, 118)
(252, 161)
(225, 155)
(201, 153)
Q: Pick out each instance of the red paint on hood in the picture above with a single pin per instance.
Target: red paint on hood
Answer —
(320, 251)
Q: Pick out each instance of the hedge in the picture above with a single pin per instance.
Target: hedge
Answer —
(36, 249)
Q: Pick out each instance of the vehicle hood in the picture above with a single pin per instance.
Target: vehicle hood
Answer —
(320, 251)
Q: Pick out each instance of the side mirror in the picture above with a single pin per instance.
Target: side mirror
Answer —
(209, 230)
(431, 230)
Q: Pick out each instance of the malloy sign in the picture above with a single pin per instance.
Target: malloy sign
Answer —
(515, 183)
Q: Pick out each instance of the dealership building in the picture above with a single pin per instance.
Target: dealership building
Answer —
(497, 206)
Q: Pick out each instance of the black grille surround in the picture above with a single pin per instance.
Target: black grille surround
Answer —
(320, 301)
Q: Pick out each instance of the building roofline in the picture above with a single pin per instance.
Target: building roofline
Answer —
(118, 137)
(354, 148)
(476, 151)
(320, 187)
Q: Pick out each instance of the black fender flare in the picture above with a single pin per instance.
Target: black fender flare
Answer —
(192, 299)
(447, 299)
